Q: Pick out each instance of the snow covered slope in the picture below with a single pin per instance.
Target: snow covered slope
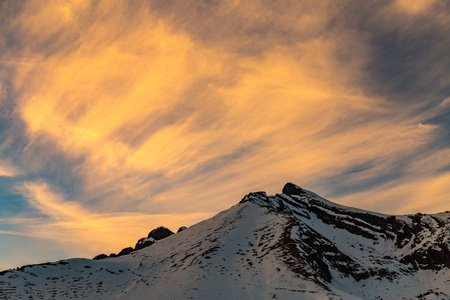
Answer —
(294, 245)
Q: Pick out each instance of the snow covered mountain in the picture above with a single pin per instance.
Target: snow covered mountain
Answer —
(294, 245)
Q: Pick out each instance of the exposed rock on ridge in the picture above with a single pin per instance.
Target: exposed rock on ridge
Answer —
(292, 189)
(160, 233)
(153, 236)
(422, 239)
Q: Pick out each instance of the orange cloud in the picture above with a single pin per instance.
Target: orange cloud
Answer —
(445, 102)
(405, 197)
(8, 170)
(158, 113)
(69, 223)
(414, 6)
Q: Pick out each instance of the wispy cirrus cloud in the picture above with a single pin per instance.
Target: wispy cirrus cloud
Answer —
(396, 196)
(68, 222)
(413, 7)
(8, 170)
(13, 233)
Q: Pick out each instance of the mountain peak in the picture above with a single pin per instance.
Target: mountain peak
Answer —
(294, 245)
(420, 241)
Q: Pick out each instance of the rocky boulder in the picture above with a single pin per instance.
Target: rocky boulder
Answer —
(160, 233)
(182, 228)
(154, 235)
(125, 251)
(100, 256)
(144, 242)
(292, 189)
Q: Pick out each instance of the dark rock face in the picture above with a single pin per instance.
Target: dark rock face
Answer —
(182, 228)
(430, 258)
(433, 254)
(154, 235)
(423, 239)
(143, 243)
(292, 189)
(160, 233)
(125, 251)
(100, 256)
(251, 196)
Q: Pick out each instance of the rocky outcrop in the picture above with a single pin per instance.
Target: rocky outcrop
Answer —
(154, 235)
(125, 251)
(182, 228)
(143, 243)
(292, 189)
(421, 239)
(100, 256)
(160, 233)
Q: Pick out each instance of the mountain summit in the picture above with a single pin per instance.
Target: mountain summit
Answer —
(294, 245)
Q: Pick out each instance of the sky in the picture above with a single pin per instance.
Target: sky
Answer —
(120, 116)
